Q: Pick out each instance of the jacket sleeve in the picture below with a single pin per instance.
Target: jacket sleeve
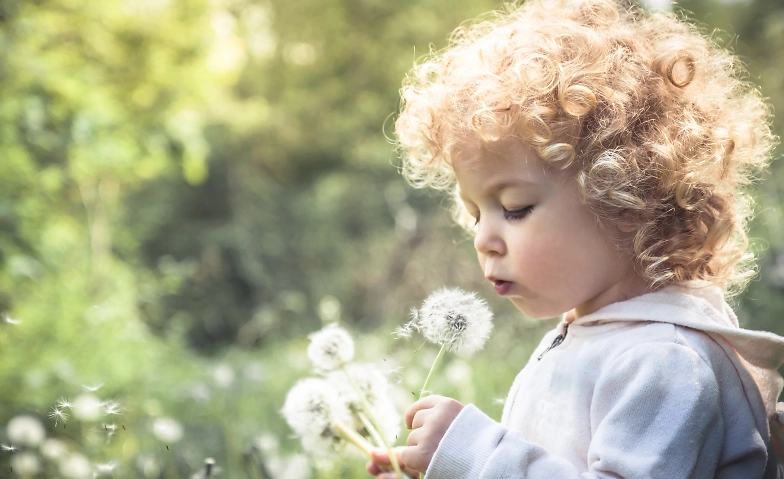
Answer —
(655, 412)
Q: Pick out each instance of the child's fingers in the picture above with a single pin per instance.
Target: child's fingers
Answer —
(426, 402)
(419, 418)
(372, 468)
(380, 457)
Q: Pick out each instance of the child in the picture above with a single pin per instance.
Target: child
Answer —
(598, 154)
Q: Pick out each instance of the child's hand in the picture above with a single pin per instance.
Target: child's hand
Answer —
(429, 418)
(381, 467)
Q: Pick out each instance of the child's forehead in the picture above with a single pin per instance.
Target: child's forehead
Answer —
(472, 155)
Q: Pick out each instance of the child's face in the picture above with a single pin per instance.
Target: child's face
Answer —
(536, 241)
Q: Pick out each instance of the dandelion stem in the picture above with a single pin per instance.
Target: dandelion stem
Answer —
(352, 436)
(369, 411)
(437, 360)
(379, 442)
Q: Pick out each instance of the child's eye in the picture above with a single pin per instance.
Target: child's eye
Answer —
(517, 214)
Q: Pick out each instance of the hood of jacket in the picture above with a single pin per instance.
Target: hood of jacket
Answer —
(700, 305)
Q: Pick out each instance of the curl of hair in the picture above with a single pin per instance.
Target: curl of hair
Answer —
(658, 123)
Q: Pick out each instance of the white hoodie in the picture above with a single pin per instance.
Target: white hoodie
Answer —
(662, 385)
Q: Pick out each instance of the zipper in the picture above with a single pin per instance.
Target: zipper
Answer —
(558, 340)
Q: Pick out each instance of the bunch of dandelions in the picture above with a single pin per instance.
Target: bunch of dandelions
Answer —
(328, 412)
(456, 320)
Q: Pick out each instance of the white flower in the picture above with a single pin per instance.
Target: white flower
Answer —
(75, 466)
(311, 409)
(167, 430)
(26, 430)
(87, 407)
(25, 464)
(330, 348)
(452, 317)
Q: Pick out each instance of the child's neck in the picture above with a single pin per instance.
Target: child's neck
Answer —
(629, 287)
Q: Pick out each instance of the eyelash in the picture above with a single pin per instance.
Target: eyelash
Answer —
(517, 214)
(513, 214)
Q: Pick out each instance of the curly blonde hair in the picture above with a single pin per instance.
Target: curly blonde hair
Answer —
(658, 123)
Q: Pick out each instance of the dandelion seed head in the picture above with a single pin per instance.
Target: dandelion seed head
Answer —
(454, 317)
(111, 408)
(8, 448)
(167, 430)
(92, 387)
(87, 407)
(330, 348)
(310, 409)
(26, 430)
(368, 378)
(53, 449)
(75, 466)
(58, 415)
(26, 464)
(64, 403)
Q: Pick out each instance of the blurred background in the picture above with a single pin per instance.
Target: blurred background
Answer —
(188, 188)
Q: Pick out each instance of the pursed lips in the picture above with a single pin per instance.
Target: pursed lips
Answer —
(502, 287)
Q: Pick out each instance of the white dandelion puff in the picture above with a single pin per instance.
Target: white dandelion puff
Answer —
(53, 449)
(64, 403)
(75, 466)
(87, 407)
(317, 416)
(8, 448)
(26, 464)
(92, 387)
(450, 316)
(368, 379)
(10, 320)
(455, 319)
(167, 430)
(26, 430)
(111, 408)
(372, 383)
(330, 348)
(58, 415)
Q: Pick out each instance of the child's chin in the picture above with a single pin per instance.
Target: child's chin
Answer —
(531, 311)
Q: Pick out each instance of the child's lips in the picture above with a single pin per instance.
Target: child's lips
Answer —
(502, 287)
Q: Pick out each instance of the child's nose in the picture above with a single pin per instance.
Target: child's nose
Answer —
(488, 241)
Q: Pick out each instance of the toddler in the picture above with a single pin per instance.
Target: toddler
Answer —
(598, 153)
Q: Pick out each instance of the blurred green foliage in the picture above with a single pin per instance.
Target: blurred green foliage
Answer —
(190, 187)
